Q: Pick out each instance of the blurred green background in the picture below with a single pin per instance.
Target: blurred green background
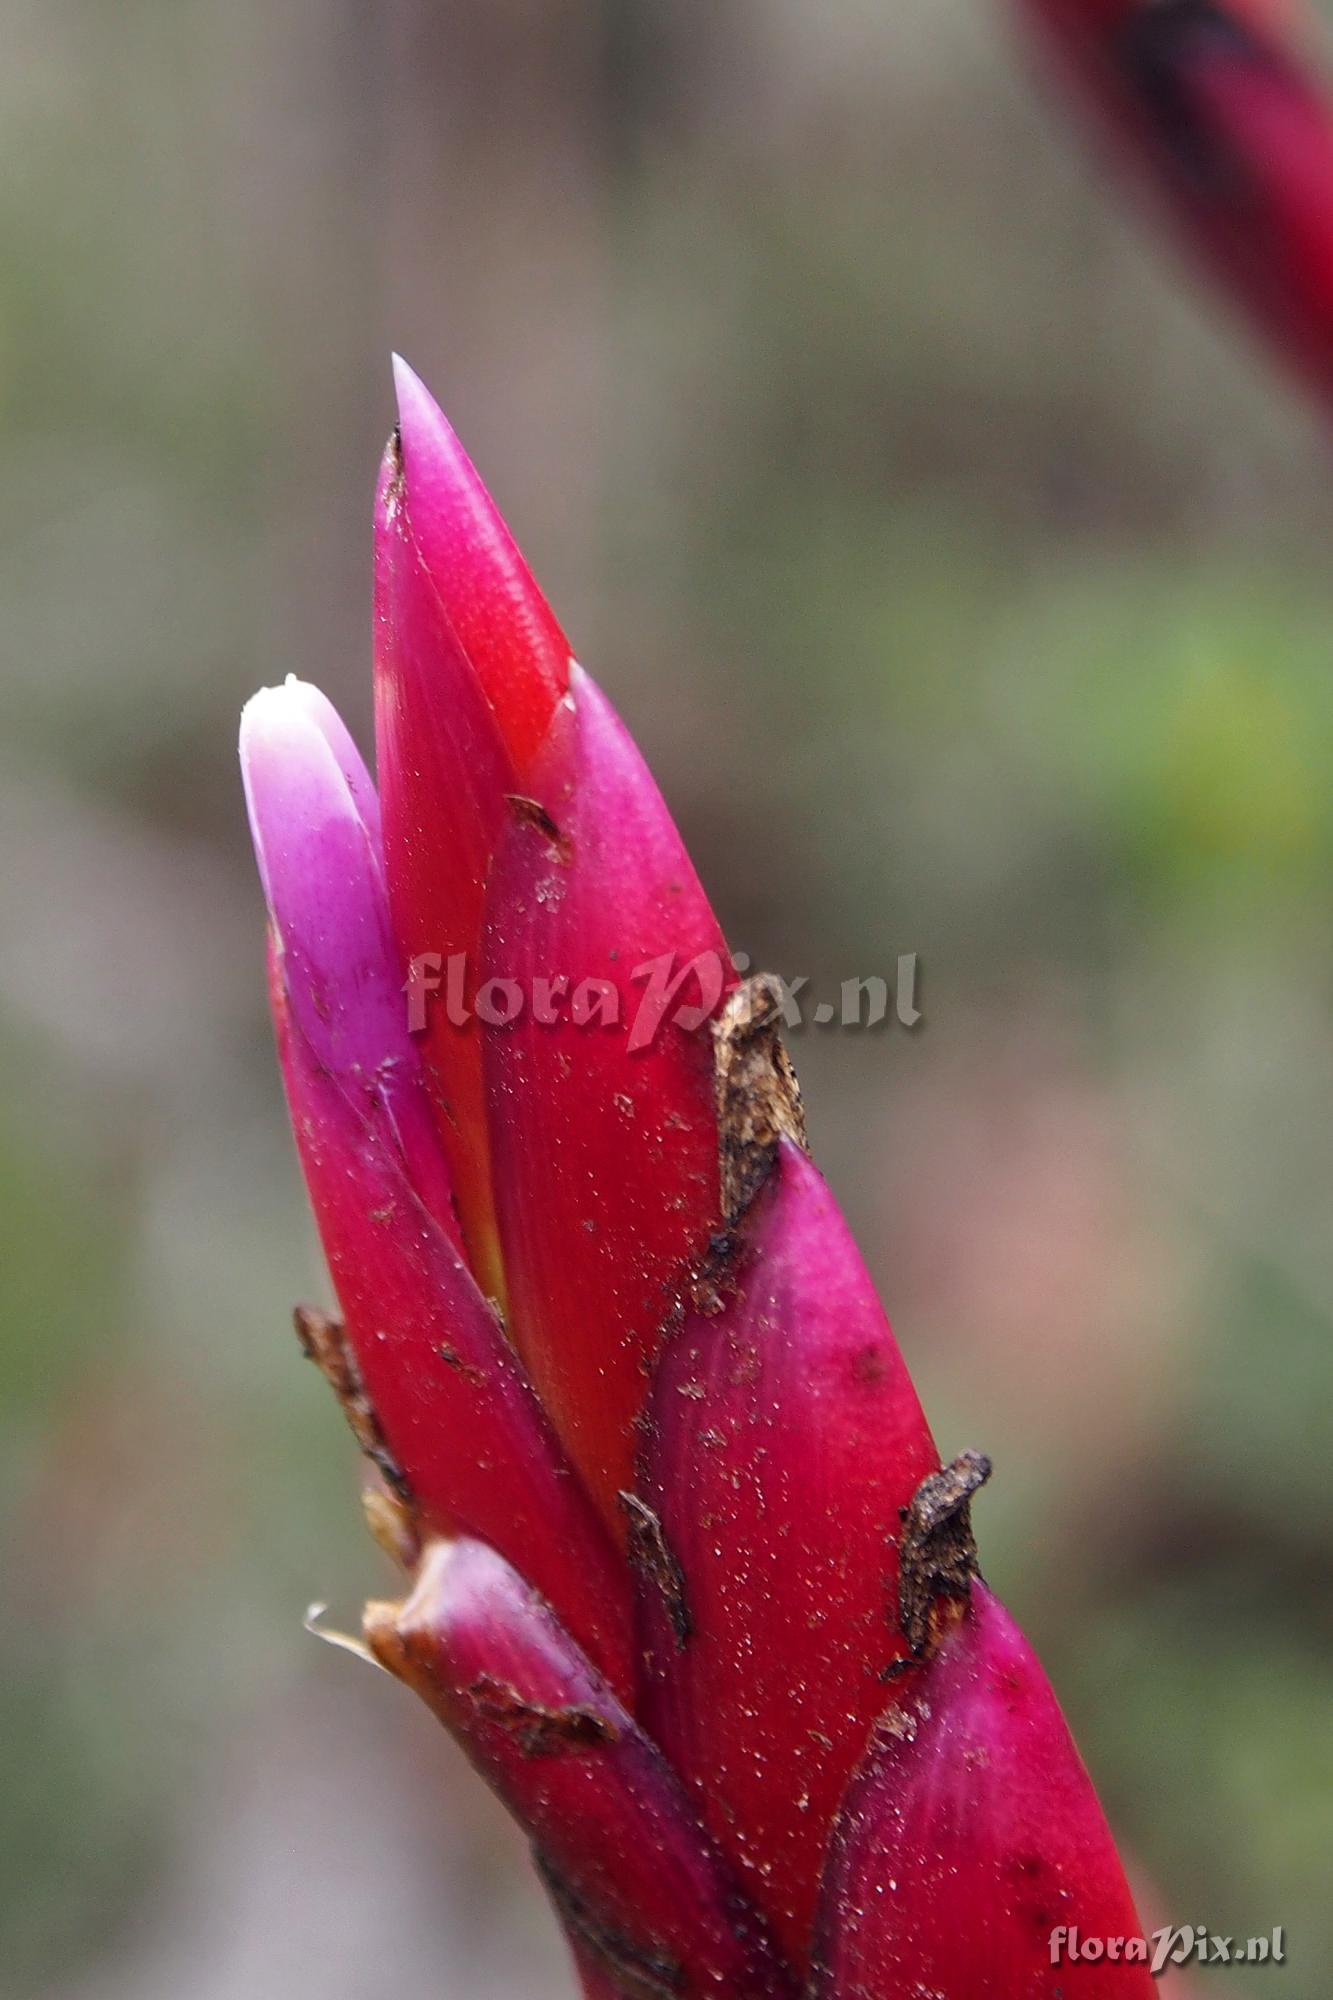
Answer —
(964, 574)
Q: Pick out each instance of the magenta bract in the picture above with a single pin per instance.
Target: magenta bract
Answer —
(632, 1875)
(970, 1836)
(468, 1445)
(784, 1436)
(445, 771)
(603, 1129)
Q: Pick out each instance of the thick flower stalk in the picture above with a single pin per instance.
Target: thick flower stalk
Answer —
(1215, 107)
(686, 1576)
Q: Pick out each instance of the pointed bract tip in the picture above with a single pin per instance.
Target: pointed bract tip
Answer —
(421, 421)
(498, 617)
(471, 1614)
(405, 379)
(385, 1625)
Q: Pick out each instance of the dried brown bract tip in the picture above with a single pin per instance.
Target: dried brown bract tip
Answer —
(395, 478)
(324, 1341)
(539, 1731)
(757, 1095)
(533, 813)
(937, 1553)
(391, 1524)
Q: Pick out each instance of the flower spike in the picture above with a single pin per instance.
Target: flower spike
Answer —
(687, 1579)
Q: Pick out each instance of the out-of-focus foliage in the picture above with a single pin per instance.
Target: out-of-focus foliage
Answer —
(965, 578)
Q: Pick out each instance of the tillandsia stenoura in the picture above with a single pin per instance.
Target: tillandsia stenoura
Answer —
(687, 1578)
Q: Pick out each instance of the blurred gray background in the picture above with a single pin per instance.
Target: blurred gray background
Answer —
(964, 575)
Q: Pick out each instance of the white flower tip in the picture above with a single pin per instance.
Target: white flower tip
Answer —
(274, 711)
(300, 769)
(279, 725)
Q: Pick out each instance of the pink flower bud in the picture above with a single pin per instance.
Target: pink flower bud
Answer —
(315, 821)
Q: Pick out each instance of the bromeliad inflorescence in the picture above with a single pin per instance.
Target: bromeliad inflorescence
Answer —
(688, 1580)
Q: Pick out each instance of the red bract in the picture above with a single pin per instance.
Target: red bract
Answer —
(504, 627)
(602, 1120)
(971, 1835)
(691, 1585)
(629, 1870)
(465, 1443)
(785, 1436)
(444, 771)
(1214, 104)
(424, 1370)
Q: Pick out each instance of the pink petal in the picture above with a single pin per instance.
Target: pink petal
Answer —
(465, 1442)
(444, 772)
(971, 1832)
(319, 710)
(631, 1873)
(784, 1436)
(604, 1152)
(315, 822)
(504, 626)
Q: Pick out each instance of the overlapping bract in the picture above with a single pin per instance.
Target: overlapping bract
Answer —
(690, 1584)
(969, 1836)
(784, 1436)
(638, 1883)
